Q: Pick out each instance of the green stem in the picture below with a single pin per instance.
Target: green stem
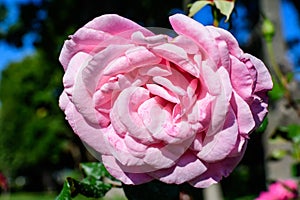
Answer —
(215, 16)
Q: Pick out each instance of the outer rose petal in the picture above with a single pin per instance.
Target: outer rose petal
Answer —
(216, 171)
(114, 24)
(241, 79)
(78, 60)
(218, 146)
(90, 135)
(231, 43)
(244, 114)
(96, 31)
(91, 38)
(128, 178)
(181, 171)
(264, 80)
(186, 26)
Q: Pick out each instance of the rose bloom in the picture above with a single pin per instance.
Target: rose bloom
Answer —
(155, 107)
(280, 190)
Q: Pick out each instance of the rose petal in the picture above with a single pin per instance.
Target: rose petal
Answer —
(166, 156)
(184, 25)
(119, 150)
(78, 61)
(187, 44)
(154, 115)
(201, 111)
(231, 43)
(210, 79)
(158, 121)
(243, 113)
(125, 111)
(150, 41)
(221, 104)
(241, 79)
(187, 168)
(128, 178)
(94, 72)
(176, 55)
(155, 70)
(83, 100)
(264, 80)
(216, 171)
(92, 136)
(218, 146)
(134, 57)
(169, 85)
(163, 93)
(259, 108)
(84, 40)
(115, 25)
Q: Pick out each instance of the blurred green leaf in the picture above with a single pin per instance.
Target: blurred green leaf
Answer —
(277, 92)
(290, 76)
(278, 154)
(294, 132)
(197, 6)
(225, 7)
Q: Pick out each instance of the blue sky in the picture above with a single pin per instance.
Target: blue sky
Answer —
(10, 53)
(290, 22)
(291, 31)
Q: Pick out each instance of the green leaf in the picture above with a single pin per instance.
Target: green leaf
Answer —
(65, 193)
(225, 7)
(197, 6)
(294, 132)
(278, 154)
(277, 92)
(89, 187)
(290, 76)
(95, 169)
(263, 126)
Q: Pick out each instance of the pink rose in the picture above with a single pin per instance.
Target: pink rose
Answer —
(280, 190)
(155, 107)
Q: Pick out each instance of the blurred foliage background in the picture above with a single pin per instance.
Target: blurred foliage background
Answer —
(37, 146)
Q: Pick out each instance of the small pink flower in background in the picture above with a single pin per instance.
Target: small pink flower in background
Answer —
(154, 107)
(280, 190)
